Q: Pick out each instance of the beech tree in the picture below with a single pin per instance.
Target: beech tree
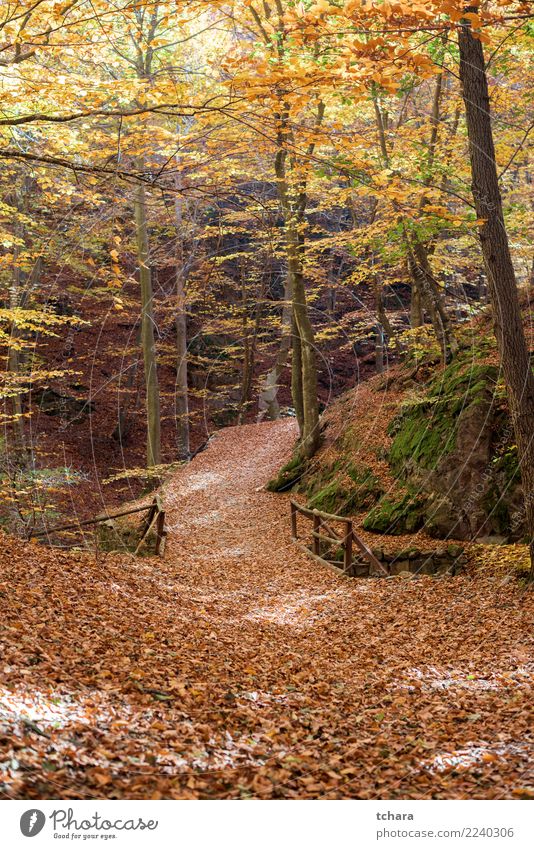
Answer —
(502, 285)
(292, 151)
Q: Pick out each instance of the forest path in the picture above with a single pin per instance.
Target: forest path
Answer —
(227, 534)
(218, 510)
(237, 667)
(311, 659)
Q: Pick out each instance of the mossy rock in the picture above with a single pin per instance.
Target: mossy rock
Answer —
(425, 430)
(343, 489)
(289, 475)
(405, 515)
(348, 442)
(499, 511)
(225, 417)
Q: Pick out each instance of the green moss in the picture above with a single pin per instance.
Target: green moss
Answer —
(288, 476)
(330, 498)
(348, 442)
(343, 488)
(505, 477)
(405, 515)
(225, 418)
(421, 438)
(425, 429)
(507, 465)
(124, 534)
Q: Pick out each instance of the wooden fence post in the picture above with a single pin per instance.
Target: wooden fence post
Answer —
(160, 532)
(320, 521)
(294, 534)
(347, 548)
(153, 515)
(316, 544)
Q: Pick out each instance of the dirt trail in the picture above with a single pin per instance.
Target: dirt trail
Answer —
(237, 667)
(218, 508)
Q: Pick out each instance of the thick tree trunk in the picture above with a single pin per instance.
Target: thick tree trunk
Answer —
(303, 367)
(296, 374)
(148, 343)
(309, 437)
(502, 286)
(181, 396)
(293, 199)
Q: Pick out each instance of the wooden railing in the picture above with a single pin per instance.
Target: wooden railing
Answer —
(155, 517)
(323, 535)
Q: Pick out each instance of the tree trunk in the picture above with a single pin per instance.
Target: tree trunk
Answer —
(383, 320)
(19, 291)
(14, 364)
(309, 437)
(332, 284)
(148, 343)
(508, 326)
(383, 326)
(379, 349)
(430, 295)
(268, 406)
(293, 199)
(296, 374)
(303, 366)
(416, 309)
(250, 340)
(181, 402)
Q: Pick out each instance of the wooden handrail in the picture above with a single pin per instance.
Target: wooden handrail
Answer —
(156, 514)
(333, 540)
(89, 521)
(320, 519)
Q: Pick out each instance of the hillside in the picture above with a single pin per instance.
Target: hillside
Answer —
(425, 450)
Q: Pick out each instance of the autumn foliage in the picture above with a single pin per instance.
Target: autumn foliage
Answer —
(216, 218)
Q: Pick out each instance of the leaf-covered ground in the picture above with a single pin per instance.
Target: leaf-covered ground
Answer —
(236, 667)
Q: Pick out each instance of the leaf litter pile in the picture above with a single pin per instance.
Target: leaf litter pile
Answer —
(236, 667)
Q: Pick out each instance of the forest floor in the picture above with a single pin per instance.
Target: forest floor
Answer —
(236, 667)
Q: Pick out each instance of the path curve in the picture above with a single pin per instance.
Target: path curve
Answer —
(291, 620)
(237, 667)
